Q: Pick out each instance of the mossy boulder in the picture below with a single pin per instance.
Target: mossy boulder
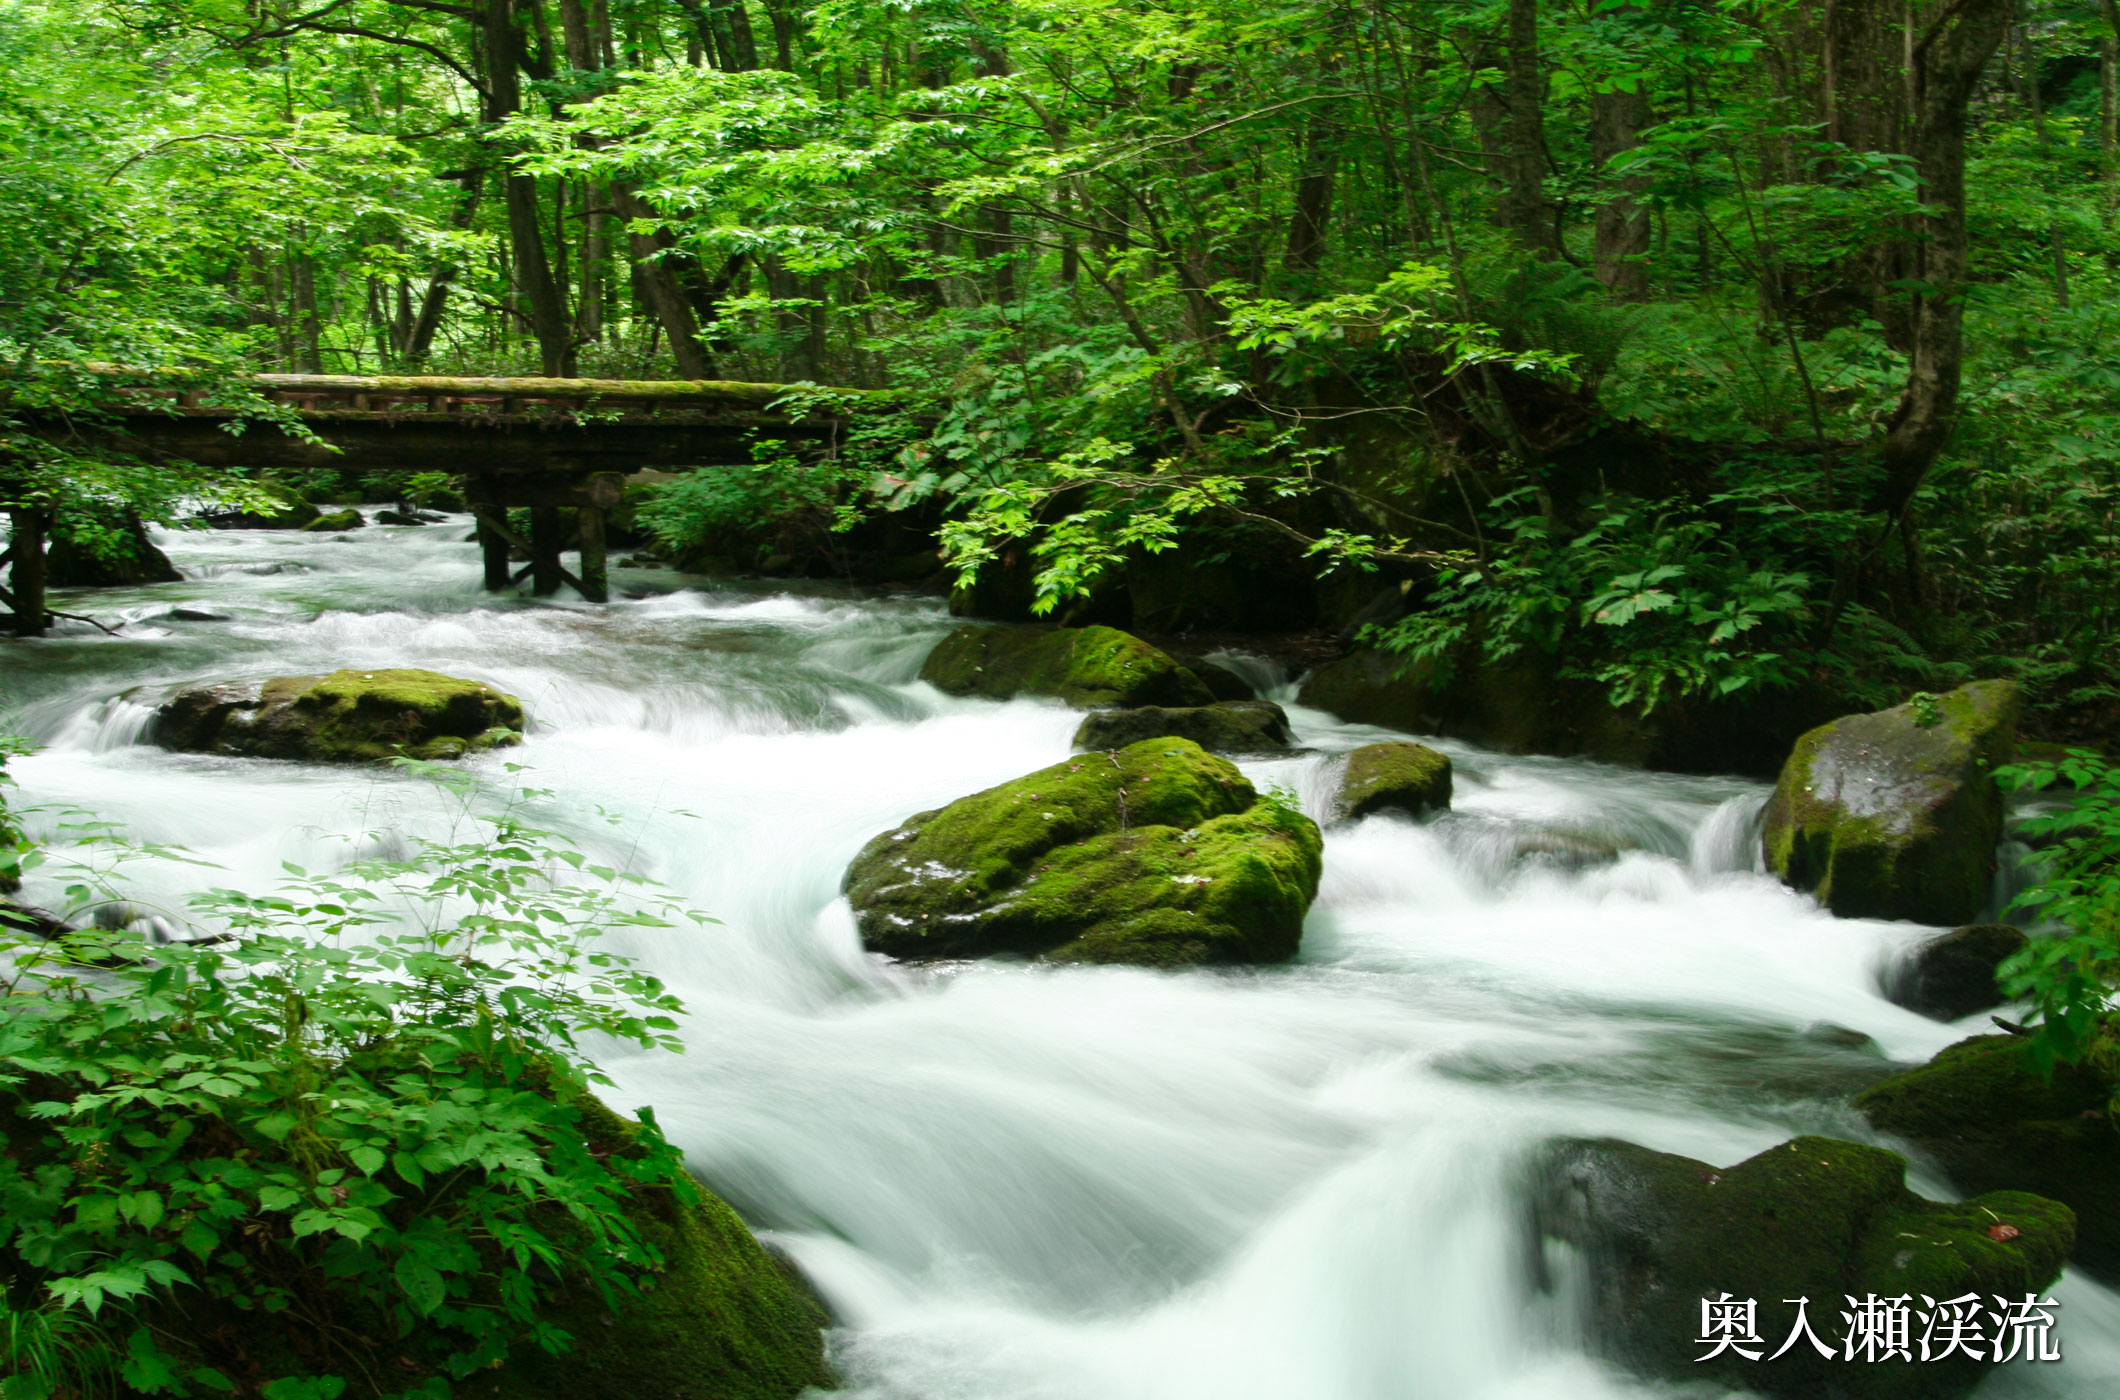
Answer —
(721, 1320)
(345, 717)
(1221, 682)
(1992, 1121)
(1085, 666)
(1235, 726)
(1159, 854)
(1813, 1218)
(127, 558)
(348, 519)
(1400, 776)
(1953, 975)
(1896, 814)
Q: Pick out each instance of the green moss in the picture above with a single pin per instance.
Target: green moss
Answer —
(1883, 816)
(1085, 666)
(337, 520)
(1159, 853)
(345, 717)
(1992, 1122)
(1399, 776)
(1813, 1218)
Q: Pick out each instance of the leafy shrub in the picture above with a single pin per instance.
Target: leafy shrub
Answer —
(345, 1144)
(2071, 978)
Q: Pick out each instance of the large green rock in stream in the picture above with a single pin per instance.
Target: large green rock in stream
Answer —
(1159, 854)
(1813, 1218)
(124, 558)
(1085, 666)
(1397, 776)
(1992, 1121)
(1896, 814)
(345, 717)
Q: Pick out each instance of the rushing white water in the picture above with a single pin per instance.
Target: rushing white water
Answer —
(1029, 1183)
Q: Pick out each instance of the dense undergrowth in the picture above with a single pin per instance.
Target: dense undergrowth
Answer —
(341, 1139)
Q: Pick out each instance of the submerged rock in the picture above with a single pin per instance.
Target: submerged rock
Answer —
(345, 717)
(1954, 975)
(136, 560)
(1234, 726)
(1400, 776)
(1085, 666)
(1815, 1219)
(1896, 814)
(1159, 854)
(1992, 1121)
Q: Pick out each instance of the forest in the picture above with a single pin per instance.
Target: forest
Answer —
(1645, 385)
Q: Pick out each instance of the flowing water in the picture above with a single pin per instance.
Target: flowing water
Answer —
(1032, 1183)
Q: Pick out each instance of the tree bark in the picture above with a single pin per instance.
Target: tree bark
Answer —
(1948, 60)
(544, 302)
(1508, 119)
(1622, 230)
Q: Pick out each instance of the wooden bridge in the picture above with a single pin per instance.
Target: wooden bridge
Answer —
(544, 444)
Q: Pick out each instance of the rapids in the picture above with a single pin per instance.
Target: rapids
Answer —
(1028, 1183)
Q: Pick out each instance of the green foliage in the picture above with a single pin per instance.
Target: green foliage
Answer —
(1657, 604)
(2071, 976)
(348, 1124)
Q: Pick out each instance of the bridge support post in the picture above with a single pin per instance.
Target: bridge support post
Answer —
(545, 546)
(492, 545)
(29, 526)
(596, 581)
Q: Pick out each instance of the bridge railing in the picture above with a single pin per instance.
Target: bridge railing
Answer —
(395, 395)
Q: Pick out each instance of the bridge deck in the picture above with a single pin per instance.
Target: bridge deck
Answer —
(548, 444)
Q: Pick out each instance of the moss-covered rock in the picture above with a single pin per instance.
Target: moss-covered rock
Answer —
(1813, 1218)
(721, 1320)
(1085, 666)
(1221, 682)
(1991, 1121)
(1235, 726)
(127, 558)
(1159, 854)
(1953, 975)
(348, 519)
(1895, 814)
(345, 717)
(1395, 777)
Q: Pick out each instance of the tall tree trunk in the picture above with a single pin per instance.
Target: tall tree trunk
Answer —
(1948, 59)
(1508, 118)
(419, 341)
(544, 302)
(2109, 121)
(657, 282)
(1616, 123)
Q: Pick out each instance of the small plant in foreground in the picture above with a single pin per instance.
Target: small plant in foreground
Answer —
(345, 1144)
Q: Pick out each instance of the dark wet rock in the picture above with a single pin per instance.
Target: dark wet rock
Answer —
(1987, 1116)
(129, 560)
(1237, 726)
(1159, 854)
(1896, 814)
(1954, 975)
(1087, 667)
(1221, 682)
(345, 717)
(197, 615)
(338, 520)
(1399, 776)
(1813, 1218)
(394, 516)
